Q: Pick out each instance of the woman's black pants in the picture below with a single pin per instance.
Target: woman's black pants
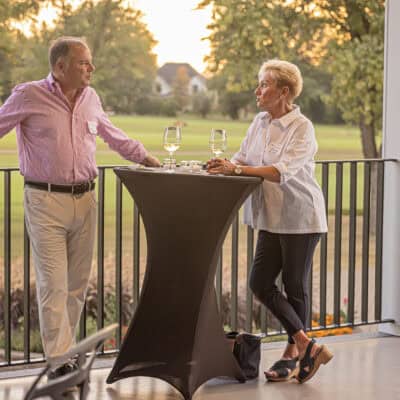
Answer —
(292, 254)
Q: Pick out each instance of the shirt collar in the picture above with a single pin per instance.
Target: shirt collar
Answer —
(286, 119)
(54, 86)
(52, 83)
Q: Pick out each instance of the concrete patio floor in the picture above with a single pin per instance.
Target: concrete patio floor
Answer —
(364, 367)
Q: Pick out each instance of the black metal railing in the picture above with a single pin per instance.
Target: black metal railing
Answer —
(346, 282)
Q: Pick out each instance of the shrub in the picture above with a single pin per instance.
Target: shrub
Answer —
(17, 308)
(17, 314)
(201, 104)
(156, 106)
(225, 311)
(110, 309)
(169, 108)
(148, 105)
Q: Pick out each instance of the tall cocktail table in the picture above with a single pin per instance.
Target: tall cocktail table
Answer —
(176, 333)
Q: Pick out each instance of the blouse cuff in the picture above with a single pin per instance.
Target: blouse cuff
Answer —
(284, 172)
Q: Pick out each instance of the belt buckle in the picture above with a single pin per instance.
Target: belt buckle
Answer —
(85, 187)
(80, 188)
(75, 189)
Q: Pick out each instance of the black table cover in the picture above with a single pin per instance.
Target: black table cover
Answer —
(176, 333)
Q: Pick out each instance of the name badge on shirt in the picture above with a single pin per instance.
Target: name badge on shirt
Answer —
(92, 125)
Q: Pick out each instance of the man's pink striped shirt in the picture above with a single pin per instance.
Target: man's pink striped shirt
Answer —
(57, 144)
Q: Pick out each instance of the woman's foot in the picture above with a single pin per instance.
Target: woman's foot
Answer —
(311, 357)
(282, 370)
(286, 367)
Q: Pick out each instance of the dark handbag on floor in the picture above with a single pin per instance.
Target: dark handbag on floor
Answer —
(247, 351)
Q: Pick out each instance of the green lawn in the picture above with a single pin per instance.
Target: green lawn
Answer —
(335, 142)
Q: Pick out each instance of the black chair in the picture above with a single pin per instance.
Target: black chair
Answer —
(55, 388)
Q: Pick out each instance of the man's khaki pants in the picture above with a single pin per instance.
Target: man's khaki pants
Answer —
(61, 228)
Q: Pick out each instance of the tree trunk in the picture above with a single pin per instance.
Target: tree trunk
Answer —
(369, 147)
(98, 40)
(370, 150)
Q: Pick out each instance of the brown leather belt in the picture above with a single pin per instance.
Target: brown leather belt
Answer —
(77, 188)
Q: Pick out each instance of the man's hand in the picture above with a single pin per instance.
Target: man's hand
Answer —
(150, 161)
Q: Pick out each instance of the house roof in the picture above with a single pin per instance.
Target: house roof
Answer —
(168, 71)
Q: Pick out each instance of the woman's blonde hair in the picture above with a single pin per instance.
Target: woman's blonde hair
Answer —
(286, 74)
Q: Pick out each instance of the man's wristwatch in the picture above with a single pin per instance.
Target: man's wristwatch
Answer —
(237, 170)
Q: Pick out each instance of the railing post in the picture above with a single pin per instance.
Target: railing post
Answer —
(100, 249)
(378, 242)
(82, 323)
(234, 273)
(27, 297)
(324, 250)
(352, 242)
(338, 244)
(365, 243)
(218, 280)
(118, 259)
(249, 294)
(136, 255)
(7, 266)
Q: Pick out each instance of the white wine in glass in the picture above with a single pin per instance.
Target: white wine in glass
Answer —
(172, 140)
(218, 141)
(171, 148)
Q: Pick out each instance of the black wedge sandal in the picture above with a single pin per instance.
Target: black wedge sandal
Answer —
(309, 365)
(286, 370)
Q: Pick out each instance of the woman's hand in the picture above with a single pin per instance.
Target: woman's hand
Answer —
(224, 167)
(220, 166)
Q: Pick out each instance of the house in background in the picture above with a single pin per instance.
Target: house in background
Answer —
(169, 73)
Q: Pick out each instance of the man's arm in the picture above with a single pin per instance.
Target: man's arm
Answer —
(117, 140)
(12, 111)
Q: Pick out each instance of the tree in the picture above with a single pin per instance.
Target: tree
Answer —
(344, 37)
(122, 51)
(247, 33)
(317, 83)
(230, 102)
(11, 11)
(244, 33)
(357, 65)
(121, 47)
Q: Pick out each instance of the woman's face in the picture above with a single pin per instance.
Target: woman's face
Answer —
(269, 95)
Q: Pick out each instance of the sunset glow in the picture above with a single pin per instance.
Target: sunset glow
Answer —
(175, 24)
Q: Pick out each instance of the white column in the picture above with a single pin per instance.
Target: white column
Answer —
(391, 149)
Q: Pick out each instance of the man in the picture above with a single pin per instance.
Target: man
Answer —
(57, 121)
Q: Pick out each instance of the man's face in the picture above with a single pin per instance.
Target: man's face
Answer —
(78, 67)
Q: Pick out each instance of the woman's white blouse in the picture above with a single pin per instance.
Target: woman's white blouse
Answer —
(295, 204)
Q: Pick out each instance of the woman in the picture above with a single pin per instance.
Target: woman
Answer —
(288, 210)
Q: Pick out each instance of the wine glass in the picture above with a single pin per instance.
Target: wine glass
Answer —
(217, 141)
(172, 141)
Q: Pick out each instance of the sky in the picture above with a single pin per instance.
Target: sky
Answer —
(175, 24)
(178, 28)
